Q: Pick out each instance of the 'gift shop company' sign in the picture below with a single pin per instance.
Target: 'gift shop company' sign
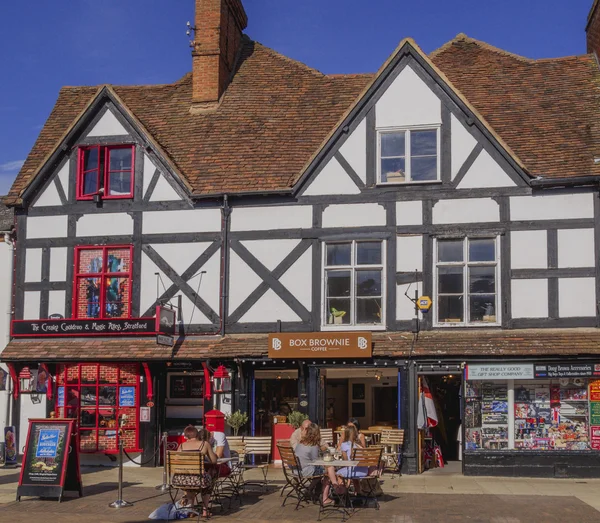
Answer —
(320, 345)
(510, 371)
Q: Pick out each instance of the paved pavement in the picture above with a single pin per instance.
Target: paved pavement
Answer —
(426, 498)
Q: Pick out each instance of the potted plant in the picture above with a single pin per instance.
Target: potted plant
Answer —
(295, 418)
(336, 316)
(236, 420)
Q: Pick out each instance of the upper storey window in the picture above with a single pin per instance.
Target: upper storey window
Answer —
(408, 155)
(106, 170)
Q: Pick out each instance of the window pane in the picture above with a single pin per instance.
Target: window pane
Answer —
(118, 260)
(482, 250)
(368, 253)
(107, 396)
(90, 183)
(338, 283)
(368, 283)
(450, 280)
(338, 311)
(119, 183)
(120, 159)
(393, 170)
(482, 279)
(423, 169)
(368, 310)
(90, 260)
(450, 309)
(393, 144)
(88, 396)
(450, 250)
(88, 298)
(88, 418)
(423, 143)
(482, 308)
(339, 254)
(117, 298)
(90, 159)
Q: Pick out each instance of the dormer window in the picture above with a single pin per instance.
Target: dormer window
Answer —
(408, 155)
(105, 170)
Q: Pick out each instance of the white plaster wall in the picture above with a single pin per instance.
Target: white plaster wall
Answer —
(31, 305)
(28, 410)
(332, 179)
(355, 150)
(468, 210)
(191, 314)
(529, 298)
(298, 279)
(33, 265)
(485, 172)
(180, 255)
(354, 215)
(148, 280)
(108, 125)
(47, 227)
(196, 220)
(243, 280)
(270, 252)
(576, 248)
(462, 145)
(210, 286)
(408, 101)
(63, 175)
(109, 224)
(6, 258)
(56, 302)
(149, 169)
(409, 213)
(5, 398)
(163, 192)
(267, 218)
(49, 196)
(58, 264)
(409, 253)
(405, 309)
(269, 307)
(576, 297)
(528, 249)
(552, 207)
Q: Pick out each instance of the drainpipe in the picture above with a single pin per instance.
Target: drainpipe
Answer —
(11, 245)
(225, 213)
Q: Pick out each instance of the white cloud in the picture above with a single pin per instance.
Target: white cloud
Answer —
(11, 167)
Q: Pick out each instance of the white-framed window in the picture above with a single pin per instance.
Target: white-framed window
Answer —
(467, 275)
(408, 155)
(354, 283)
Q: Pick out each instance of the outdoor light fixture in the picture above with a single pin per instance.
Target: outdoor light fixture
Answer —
(221, 380)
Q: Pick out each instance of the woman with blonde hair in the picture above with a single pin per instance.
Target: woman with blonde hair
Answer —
(349, 443)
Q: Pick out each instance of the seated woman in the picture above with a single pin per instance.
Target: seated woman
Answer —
(196, 441)
(349, 443)
(361, 437)
(307, 451)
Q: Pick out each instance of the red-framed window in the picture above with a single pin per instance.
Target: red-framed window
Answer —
(105, 170)
(97, 395)
(102, 282)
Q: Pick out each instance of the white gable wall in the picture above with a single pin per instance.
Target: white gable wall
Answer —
(354, 150)
(163, 191)
(332, 179)
(485, 172)
(108, 125)
(463, 144)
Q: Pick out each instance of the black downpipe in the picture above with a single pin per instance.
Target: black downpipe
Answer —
(226, 213)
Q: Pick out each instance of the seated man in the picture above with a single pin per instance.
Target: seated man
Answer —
(220, 446)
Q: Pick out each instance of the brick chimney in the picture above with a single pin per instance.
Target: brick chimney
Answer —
(592, 29)
(219, 25)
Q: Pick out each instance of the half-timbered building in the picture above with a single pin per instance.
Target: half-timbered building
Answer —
(296, 221)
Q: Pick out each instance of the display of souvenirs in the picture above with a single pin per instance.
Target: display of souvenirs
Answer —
(473, 413)
(573, 394)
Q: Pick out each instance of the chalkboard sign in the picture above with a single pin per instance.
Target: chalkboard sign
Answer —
(51, 461)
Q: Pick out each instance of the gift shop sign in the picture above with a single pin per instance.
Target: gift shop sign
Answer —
(320, 345)
(515, 371)
(87, 327)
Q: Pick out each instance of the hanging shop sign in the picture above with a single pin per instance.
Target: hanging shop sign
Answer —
(84, 327)
(163, 339)
(567, 370)
(165, 320)
(510, 371)
(320, 345)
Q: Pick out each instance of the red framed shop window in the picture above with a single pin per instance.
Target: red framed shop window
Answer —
(106, 170)
(97, 395)
(102, 282)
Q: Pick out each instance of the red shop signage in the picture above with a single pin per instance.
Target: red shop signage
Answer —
(83, 327)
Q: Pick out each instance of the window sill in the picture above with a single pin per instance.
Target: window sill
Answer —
(451, 325)
(342, 327)
(395, 184)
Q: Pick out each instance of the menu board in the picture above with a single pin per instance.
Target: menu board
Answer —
(186, 386)
(51, 460)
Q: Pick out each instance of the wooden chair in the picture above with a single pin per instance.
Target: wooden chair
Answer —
(371, 458)
(327, 437)
(392, 441)
(257, 446)
(300, 486)
(237, 447)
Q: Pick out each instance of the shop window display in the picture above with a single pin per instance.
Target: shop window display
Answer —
(547, 415)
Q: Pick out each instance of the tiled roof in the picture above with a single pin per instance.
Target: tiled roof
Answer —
(7, 219)
(276, 113)
(447, 343)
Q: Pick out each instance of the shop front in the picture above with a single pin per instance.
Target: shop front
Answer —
(532, 418)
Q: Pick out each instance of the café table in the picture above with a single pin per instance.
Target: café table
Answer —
(345, 505)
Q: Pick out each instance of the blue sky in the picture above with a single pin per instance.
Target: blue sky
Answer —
(47, 44)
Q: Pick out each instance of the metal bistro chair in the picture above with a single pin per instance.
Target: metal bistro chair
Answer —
(327, 437)
(301, 487)
(392, 441)
(369, 457)
(257, 446)
(235, 481)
